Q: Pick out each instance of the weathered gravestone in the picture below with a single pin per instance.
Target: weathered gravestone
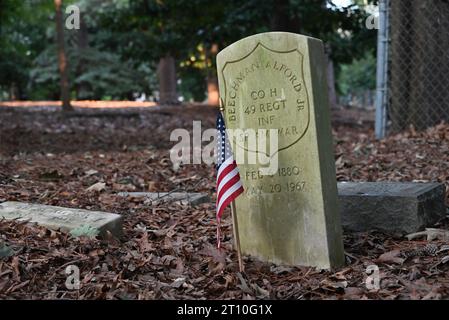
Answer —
(391, 207)
(277, 81)
(183, 198)
(60, 218)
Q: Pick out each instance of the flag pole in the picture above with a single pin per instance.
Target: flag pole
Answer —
(235, 228)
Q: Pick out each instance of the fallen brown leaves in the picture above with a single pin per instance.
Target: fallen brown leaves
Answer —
(409, 156)
(168, 250)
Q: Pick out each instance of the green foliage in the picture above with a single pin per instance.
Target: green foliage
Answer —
(84, 231)
(193, 85)
(358, 76)
(28, 55)
(126, 38)
(105, 75)
(22, 37)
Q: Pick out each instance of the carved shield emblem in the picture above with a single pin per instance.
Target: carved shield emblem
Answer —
(265, 89)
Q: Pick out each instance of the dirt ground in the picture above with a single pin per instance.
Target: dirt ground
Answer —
(168, 251)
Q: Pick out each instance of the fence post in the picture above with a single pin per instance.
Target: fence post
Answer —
(382, 69)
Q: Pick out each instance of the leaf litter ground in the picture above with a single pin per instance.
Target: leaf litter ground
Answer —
(168, 250)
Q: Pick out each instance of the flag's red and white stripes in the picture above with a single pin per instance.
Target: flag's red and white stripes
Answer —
(229, 185)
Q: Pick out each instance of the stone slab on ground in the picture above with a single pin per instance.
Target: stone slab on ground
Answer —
(60, 218)
(392, 207)
(193, 199)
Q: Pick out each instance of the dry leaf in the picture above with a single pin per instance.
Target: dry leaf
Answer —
(99, 186)
(391, 257)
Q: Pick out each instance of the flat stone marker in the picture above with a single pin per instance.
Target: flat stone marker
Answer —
(194, 198)
(277, 80)
(60, 218)
(391, 207)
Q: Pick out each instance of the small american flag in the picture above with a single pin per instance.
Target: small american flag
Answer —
(229, 185)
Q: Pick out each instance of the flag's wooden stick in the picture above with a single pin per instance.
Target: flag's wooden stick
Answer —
(235, 227)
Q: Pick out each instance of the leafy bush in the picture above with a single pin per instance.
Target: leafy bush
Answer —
(103, 74)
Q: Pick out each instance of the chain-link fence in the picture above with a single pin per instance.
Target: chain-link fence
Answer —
(418, 63)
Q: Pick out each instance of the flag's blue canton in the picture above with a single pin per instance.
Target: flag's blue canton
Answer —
(223, 147)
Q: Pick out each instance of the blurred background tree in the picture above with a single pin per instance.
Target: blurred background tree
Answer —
(164, 49)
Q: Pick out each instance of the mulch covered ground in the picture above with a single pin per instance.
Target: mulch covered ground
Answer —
(168, 250)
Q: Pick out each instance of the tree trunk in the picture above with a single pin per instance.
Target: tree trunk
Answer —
(331, 83)
(62, 59)
(280, 18)
(401, 38)
(212, 90)
(419, 65)
(13, 92)
(430, 65)
(167, 80)
(83, 38)
(83, 43)
(213, 95)
(331, 79)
